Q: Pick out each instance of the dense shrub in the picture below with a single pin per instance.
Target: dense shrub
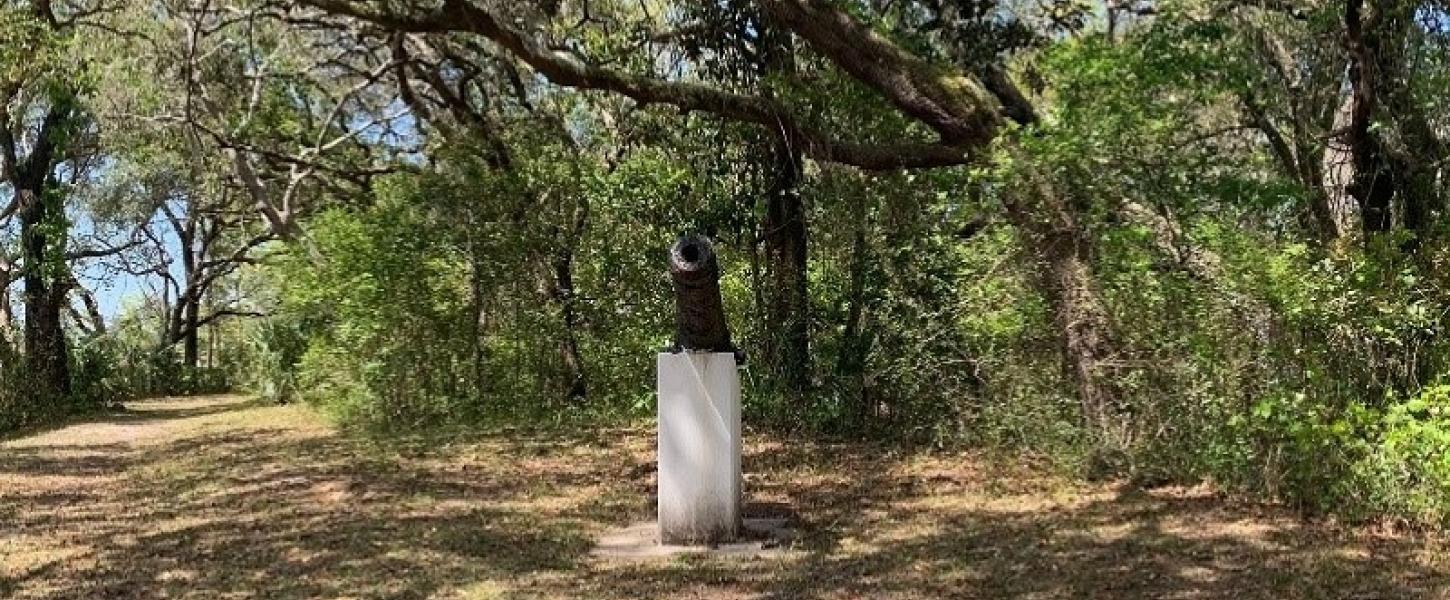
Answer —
(1405, 469)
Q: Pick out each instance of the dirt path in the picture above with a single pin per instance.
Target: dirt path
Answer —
(218, 498)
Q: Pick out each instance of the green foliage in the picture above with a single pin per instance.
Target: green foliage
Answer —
(399, 315)
(275, 349)
(15, 410)
(1360, 462)
(386, 300)
(105, 371)
(30, 47)
(1406, 468)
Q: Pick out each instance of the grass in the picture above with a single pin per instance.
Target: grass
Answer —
(220, 498)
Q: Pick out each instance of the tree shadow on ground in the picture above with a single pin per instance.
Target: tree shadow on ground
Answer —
(1112, 549)
(268, 509)
(265, 513)
(123, 415)
(158, 410)
(873, 526)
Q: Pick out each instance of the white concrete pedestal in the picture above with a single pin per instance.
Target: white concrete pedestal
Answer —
(699, 447)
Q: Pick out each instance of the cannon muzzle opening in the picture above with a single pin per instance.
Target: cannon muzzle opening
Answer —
(693, 258)
(700, 314)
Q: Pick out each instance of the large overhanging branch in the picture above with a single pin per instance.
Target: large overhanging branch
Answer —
(958, 106)
(960, 134)
(278, 213)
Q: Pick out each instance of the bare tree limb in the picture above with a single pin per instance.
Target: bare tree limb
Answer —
(566, 70)
(101, 252)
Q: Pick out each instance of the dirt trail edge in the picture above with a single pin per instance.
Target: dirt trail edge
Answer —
(218, 497)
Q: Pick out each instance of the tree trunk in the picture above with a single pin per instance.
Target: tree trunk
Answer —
(45, 276)
(1419, 154)
(573, 359)
(1373, 183)
(852, 355)
(855, 343)
(1050, 227)
(478, 317)
(565, 296)
(787, 347)
(1336, 171)
(1083, 323)
(1375, 36)
(7, 319)
(191, 343)
(191, 298)
(46, 354)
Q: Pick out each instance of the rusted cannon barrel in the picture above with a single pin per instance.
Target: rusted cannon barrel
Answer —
(699, 312)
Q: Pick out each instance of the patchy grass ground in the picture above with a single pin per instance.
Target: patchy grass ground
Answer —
(219, 498)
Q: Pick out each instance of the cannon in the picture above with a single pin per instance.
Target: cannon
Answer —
(699, 313)
(699, 499)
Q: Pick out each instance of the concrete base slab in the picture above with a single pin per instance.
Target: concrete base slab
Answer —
(761, 537)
